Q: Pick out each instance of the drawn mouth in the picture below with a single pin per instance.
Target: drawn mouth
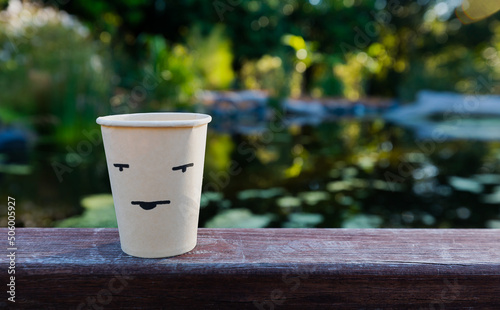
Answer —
(149, 205)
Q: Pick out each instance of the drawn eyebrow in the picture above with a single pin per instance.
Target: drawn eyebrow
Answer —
(183, 167)
(121, 166)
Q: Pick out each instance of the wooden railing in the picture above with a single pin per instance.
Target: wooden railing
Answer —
(260, 269)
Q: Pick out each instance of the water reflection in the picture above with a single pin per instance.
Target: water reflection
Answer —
(443, 115)
(358, 173)
(344, 173)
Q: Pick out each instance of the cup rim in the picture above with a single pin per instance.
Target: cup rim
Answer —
(157, 119)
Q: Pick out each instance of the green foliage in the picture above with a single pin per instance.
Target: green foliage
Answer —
(175, 67)
(203, 62)
(268, 73)
(55, 74)
(213, 57)
(354, 48)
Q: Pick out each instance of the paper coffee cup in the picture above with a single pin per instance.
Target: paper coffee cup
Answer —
(155, 163)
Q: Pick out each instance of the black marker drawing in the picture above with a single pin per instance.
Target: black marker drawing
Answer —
(149, 205)
(183, 167)
(121, 166)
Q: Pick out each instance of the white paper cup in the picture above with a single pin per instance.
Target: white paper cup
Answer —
(155, 163)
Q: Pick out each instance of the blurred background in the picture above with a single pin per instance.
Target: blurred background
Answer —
(326, 113)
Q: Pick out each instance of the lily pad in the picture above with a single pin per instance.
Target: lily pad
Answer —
(303, 220)
(100, 201)
(339, 186)
(493, 224)
(466, 185)
(206, 197)
(99, 212)
(363, 221)
(314, 197)
(15, 169)
(387, 186)
(493, 198)
(260, 193)
(288, 202)
(487, 178)
(239, 218)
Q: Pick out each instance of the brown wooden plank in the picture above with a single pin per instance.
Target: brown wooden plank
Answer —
(261, 269)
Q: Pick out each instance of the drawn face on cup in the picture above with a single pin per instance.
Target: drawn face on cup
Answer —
(156, 173)
(150, 205)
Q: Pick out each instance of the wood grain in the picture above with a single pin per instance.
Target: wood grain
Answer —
(261, 269)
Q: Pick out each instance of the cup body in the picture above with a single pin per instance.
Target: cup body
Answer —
(155, 163)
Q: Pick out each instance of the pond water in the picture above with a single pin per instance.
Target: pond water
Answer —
(338, 173)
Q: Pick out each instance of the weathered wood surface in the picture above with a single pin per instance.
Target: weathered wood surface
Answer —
(261, 269)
